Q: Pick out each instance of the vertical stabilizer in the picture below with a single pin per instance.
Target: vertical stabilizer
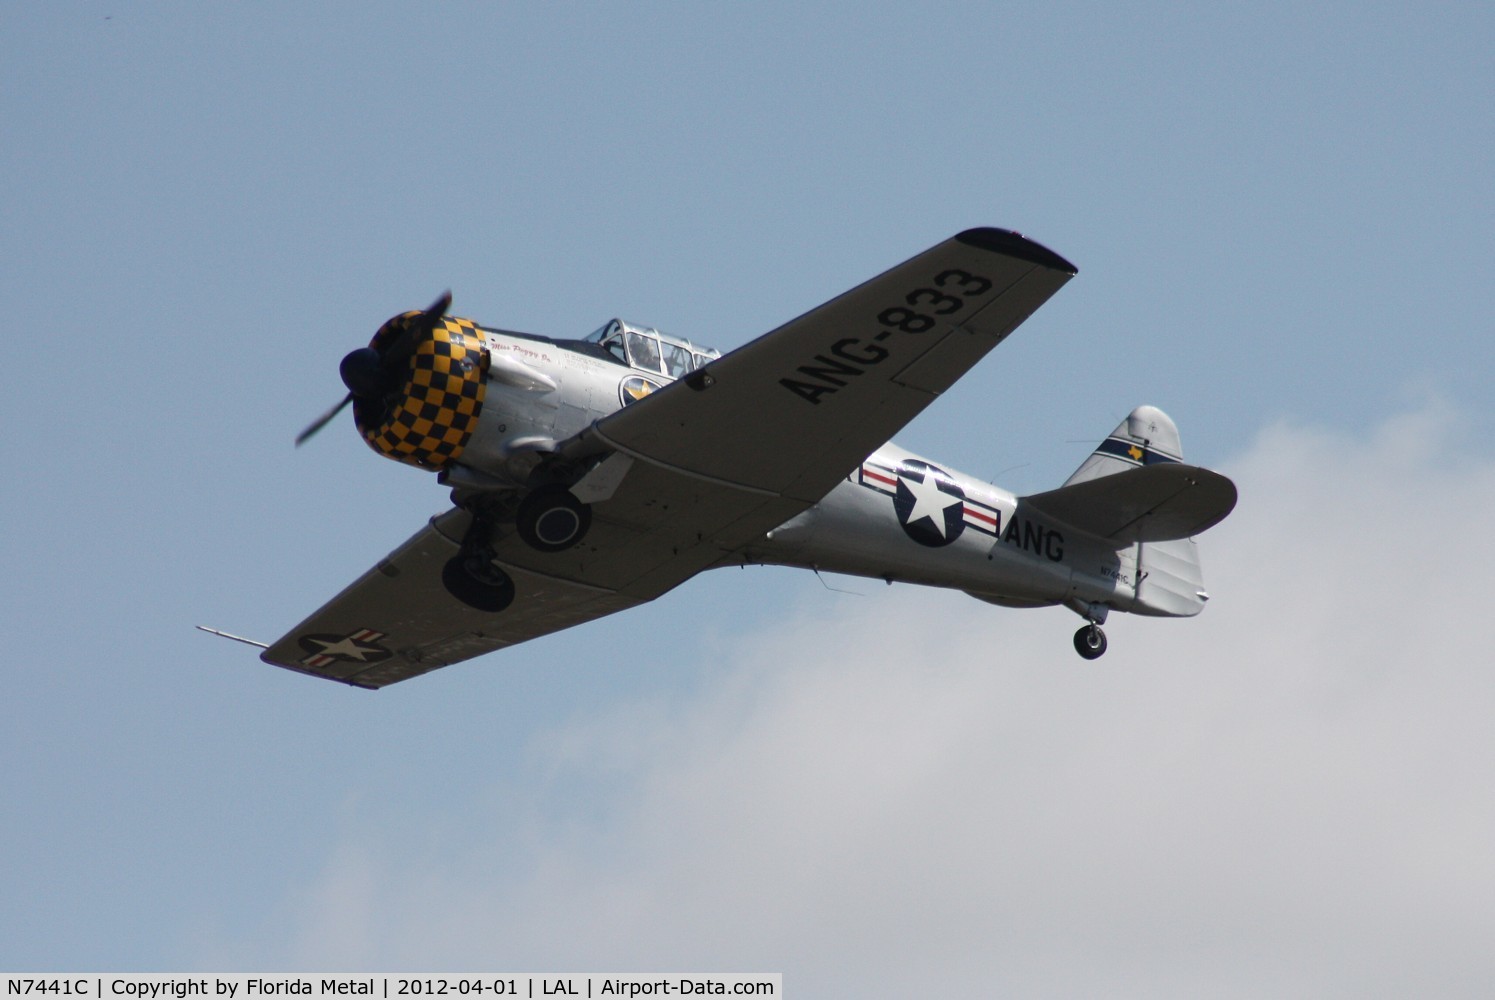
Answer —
(1169, 579)
(1147, 436)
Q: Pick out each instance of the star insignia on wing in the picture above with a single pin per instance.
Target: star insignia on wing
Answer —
(347, 648)
(355, 647)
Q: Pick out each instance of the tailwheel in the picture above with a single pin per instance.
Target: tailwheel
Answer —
(551, 519)
(1090, 642)
(472, 578)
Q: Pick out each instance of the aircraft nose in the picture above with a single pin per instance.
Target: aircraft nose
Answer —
(429, 387)
(360, 373)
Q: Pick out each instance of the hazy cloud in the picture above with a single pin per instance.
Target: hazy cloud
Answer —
(1289, 796)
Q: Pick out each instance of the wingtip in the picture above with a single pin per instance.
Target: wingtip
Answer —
(1012, 244)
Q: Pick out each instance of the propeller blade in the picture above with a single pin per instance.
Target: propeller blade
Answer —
(372, 376)
(323, 420)
(397, 355)
(439, 307)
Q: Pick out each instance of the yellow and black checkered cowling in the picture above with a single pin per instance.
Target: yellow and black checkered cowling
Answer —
(431, 419)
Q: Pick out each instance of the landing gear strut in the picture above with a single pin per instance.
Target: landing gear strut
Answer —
(1090, 641)
(471, 575)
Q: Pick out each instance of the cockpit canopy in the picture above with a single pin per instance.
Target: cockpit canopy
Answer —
(646, 349)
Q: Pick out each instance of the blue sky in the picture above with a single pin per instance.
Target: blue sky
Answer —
(1281, 216)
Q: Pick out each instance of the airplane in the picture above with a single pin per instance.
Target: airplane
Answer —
(588, 476)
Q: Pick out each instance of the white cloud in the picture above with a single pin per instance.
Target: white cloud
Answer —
(1288, 796)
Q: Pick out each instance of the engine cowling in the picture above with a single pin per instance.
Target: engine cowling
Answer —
(429, 418)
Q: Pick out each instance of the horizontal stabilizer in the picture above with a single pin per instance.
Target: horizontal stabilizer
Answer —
(1150, 503)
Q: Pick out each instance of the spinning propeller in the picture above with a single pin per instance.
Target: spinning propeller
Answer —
(372, 374)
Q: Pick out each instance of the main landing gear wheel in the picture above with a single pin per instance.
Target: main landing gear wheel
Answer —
(551, 519)
(473, 579)
(1090, 642)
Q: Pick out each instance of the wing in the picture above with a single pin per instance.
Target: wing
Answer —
(397, 621)
(795, 410)
(700, 468)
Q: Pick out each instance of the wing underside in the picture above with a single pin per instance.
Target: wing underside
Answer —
(795, 410)
(397, 621)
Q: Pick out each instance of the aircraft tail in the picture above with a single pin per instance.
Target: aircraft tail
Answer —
(1135, 489)
(1148, 436)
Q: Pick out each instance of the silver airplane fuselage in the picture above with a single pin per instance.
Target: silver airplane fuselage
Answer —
(896, 517)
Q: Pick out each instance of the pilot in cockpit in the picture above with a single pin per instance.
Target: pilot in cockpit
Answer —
(645, 353)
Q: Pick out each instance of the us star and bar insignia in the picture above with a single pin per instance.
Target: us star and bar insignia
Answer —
(356, 647)
(931, 506)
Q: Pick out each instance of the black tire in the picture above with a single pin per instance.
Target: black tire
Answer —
(482, 586)
(1090, 642)
(551, 519)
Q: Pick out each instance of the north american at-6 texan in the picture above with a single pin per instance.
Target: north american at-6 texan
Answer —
(590, 476)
